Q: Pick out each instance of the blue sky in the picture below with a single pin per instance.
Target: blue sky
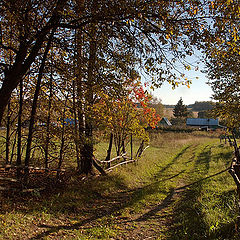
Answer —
(198, 91)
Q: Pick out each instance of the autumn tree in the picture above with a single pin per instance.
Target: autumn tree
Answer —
(157, 105)
(157, 34)
(150, 36)
(127, 115)
(222, 61)
(226, 93)
(97, 46)
(25, 27)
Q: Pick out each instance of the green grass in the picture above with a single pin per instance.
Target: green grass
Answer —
(173, 192)
(207, 209)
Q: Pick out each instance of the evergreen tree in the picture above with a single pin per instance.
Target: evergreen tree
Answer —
(180, 110)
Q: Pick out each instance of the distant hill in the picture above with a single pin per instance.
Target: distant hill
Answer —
(195, 108)
(201, 106)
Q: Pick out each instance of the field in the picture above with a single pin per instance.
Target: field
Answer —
(179, 189)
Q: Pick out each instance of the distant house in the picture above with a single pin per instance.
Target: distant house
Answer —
(69, 121)
(66, 122)
(164, 121)
(203, 123)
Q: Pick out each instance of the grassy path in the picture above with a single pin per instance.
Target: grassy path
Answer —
(173, 193)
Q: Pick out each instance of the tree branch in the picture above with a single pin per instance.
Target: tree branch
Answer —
(8, 48)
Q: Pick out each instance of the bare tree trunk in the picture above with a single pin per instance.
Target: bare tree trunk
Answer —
(99, 168)
(62, 143)
(78, 113)
(10, 82)
(48, 119)
(79, 41)
(131, 146)
(8, 134)
(117, 139)
(19, 130)
(123, 146)
(236, 150)
(80, 91)
(140, 150)
(87, 148)
(13, 149)
(76, 139)
(234, 170)
(123, 149)
(34, 106)
(109, 150)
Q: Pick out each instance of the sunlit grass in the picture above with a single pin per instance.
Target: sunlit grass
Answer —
(169, 191)
(208, 208)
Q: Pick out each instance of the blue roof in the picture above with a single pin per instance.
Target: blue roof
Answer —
(69, 121)
(166, 121)
(202, 122)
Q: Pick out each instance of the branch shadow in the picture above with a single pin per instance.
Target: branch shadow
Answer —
(164, 204)
(124, 199)
(173, 161)
(189, 217)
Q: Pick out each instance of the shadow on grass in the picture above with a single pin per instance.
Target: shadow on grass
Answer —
(81, 202)
(226, 230)
(189, 219)
(87, 202)
(203, 161)
(173, 161)
(141, 193)
(110, 206)
(153, 213)
(224, 156)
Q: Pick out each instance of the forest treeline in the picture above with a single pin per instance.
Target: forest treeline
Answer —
(197, 106)
(201, 106)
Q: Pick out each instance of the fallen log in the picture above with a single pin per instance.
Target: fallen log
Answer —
(119, 164)
(113, 159)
